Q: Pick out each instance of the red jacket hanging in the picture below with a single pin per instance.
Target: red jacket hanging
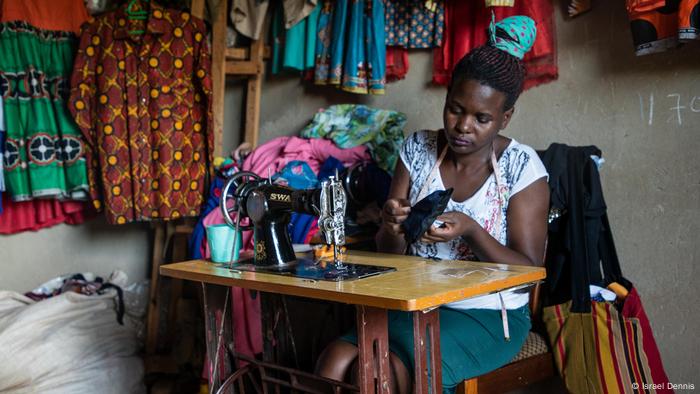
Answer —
(466, 25)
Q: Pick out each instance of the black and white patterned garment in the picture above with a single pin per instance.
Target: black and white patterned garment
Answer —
(519, 167)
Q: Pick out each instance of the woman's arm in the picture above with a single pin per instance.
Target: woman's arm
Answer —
(527, 229)
(390, 237)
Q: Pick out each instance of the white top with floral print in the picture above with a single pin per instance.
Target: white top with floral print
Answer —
(519, 167)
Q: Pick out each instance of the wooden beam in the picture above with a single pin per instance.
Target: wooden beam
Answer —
(244, 53)
(197, 8)
(253, 95)
(218, 71)
(243, 68)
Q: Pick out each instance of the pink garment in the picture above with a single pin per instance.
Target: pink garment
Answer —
(36, 214)
(274, 154)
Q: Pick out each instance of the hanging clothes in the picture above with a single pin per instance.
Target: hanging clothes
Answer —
(249, 16)
(19, 216)
(396, 63)
(44, 152)
(500, 3)
(297, 10)
(466, 25)
(61, 15)
(350, 125)
(350, 49)
(2, 150)
(143, 104)
(658, 26)
(414, 23)
(294, 48)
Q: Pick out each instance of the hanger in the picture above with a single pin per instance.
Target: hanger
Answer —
(139, 15)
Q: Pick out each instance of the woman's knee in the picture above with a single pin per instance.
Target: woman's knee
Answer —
(335, 359)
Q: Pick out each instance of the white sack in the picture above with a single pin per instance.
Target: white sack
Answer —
(70, 343)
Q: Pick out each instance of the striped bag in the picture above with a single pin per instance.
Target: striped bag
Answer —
(607, 350)
(604, 347)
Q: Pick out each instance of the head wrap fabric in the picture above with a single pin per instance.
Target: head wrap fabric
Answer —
(520, 34)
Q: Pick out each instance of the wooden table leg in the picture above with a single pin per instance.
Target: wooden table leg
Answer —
(217, 319)
(373, 343)
(426, 339)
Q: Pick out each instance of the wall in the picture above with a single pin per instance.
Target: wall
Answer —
(603, 97)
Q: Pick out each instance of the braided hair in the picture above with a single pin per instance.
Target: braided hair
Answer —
(492, 67)
(499, 64)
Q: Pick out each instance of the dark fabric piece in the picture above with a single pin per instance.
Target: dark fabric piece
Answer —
(572, 251)
(424, 213)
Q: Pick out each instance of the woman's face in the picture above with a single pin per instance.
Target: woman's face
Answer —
(473, 116)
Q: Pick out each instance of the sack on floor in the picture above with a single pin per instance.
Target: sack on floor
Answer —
(70, 343)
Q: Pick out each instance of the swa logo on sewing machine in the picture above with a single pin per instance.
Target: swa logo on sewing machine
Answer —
(280, 197)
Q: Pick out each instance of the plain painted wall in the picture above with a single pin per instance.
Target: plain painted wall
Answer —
(651, 176)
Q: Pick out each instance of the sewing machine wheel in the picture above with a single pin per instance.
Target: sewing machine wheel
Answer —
(236, 187)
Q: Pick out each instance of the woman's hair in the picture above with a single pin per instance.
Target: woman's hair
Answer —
(492, 67)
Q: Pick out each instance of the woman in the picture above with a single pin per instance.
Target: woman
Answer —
(497, 212)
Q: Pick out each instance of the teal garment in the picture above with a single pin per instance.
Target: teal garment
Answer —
(471, 342)
(294, 48)
(515, 34)
(350, 47)
(350, 125)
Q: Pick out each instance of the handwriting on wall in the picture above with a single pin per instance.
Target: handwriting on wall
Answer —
(673, 107)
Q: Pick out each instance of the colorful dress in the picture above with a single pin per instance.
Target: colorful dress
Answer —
(44, 154)
(350, 49)
(350, 125)
(143, 103)
(414, 23)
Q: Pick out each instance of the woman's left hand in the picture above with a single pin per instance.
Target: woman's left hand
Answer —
(455, 224)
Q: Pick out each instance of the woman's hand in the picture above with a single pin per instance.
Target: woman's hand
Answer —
(455, 224)
(395, 211)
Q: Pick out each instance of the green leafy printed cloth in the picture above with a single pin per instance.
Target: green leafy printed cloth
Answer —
(44, 151)
(350, 125)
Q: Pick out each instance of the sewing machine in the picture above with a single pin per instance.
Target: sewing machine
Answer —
(267, 208)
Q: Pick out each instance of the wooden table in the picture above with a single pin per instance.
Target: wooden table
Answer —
(418, 285)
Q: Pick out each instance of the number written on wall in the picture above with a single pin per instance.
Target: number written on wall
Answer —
(674, 107)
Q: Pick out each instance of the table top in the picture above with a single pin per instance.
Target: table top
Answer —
(417, 283)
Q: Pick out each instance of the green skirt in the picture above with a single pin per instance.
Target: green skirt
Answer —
(471, 342)
(44, 150)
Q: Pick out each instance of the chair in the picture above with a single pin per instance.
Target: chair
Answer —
(532, 364)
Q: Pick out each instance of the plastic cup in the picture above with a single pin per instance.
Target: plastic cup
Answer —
(220, 239)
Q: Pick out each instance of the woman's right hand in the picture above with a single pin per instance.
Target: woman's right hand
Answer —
(395, 211)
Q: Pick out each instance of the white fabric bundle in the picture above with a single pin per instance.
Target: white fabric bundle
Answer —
(70, 343)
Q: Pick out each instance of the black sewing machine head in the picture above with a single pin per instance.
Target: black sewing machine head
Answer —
(269, 206)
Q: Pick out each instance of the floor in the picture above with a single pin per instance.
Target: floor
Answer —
(550, 386)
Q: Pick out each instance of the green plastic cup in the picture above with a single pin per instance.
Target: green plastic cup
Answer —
(220, 238)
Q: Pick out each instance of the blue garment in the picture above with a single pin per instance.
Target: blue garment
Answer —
(299, 226)
(350, 48)
(199, 232)
(329, 168)
(294, 48)
(298, 175)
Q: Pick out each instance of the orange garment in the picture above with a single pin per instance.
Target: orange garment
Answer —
(644, 5)
(665, 27)
(62, 15)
